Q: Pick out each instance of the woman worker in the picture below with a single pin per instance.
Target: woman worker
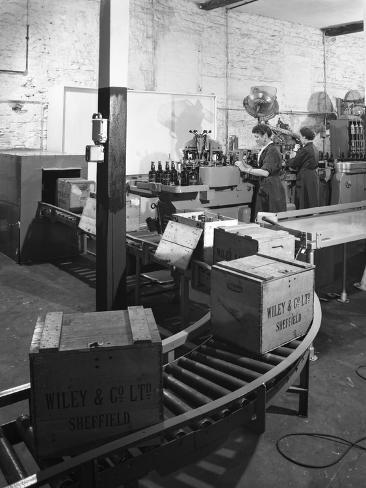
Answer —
(305, 163)
(270, 195)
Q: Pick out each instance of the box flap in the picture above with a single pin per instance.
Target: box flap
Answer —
(177, 244)
(87, 221)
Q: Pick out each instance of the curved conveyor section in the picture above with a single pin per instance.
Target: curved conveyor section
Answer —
(207, 393)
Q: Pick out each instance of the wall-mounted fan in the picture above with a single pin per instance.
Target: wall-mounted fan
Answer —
(261, 103)
(353, 103)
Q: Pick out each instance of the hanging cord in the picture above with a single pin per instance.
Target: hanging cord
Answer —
(331, 438)
(325, 89)
(363, 366)
(328, 437)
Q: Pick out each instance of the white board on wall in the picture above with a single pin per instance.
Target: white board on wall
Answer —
(158, 124)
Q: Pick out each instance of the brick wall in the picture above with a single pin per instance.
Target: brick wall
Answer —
(176, 47)
(63, 47)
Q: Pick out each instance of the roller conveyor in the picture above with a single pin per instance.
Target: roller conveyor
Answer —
(210, 391)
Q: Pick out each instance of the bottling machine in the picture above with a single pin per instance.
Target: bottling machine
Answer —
(204, 179)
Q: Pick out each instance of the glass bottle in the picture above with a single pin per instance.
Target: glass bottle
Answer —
(167, 175)
(152, 173)
(173, 174)
(159, 173)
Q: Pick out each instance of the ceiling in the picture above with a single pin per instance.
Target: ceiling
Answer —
(315, 13)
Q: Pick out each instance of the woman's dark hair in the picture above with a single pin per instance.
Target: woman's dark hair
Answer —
(307, 133)
(262, 129)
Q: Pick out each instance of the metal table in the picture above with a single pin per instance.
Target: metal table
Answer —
(321, 227)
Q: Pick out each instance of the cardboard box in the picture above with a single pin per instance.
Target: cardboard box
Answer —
(248, 239)
(88, 217)
(207, 221)
(133, 204)
(87, 221)
(94, 377)
(260, 303)
(72, 193)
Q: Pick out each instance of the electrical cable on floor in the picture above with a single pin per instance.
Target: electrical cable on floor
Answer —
(358, 371)
(328, 437)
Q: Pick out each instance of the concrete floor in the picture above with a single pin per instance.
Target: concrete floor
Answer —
(337, 394)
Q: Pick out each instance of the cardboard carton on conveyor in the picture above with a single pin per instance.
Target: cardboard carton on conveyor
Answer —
(72, 193)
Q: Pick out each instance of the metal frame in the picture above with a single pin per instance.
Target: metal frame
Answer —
(311, 241)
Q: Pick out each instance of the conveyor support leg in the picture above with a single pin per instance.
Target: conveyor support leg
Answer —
(10, 464)
(302, 390)
(259, 419)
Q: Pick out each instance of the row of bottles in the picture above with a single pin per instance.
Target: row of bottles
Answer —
(351, 156)
(356, 139)
(181, 174)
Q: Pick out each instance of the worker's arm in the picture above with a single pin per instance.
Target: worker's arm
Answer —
(246, 168)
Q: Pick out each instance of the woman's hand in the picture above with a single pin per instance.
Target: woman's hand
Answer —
(243, 167)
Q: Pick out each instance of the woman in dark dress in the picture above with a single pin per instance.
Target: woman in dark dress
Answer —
(305, 163)
(270, 194)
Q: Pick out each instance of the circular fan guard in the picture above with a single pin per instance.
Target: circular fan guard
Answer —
(261, 102)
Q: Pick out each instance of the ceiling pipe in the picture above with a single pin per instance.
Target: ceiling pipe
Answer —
(212, 4)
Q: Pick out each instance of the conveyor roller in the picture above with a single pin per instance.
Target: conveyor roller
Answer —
(212, 390)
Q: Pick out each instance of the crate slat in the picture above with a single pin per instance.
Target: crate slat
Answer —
(139, 325)
(50, 338)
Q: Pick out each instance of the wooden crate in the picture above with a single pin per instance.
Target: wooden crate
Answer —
(207, 221)
(260, 303)
(247, 239)
(94, 377)
(72, 193)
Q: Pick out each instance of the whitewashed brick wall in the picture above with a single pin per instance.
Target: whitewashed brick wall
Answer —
(63, 50)
(175, 47)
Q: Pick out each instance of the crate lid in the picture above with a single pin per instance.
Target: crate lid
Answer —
(86, 331)
(261, 233)
(241, 227)
(264, 268)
